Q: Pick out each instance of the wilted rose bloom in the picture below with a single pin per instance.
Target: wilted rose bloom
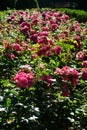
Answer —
(84, 63)
(57, 50)
(23, 79)
(84, 73)
(80, 55)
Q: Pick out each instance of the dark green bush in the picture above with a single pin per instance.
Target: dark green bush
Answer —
(80, 15)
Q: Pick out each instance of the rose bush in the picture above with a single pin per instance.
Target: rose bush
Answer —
(43, 71)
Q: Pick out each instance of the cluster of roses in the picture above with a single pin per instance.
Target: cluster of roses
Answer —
(25, 77)
(70, 75)
(67, 75)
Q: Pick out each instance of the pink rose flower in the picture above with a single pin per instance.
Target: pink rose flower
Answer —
(23, 79)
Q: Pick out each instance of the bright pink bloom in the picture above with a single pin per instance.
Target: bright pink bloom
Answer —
(23, 79)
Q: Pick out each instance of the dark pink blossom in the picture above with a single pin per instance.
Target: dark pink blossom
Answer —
(80, 55)
(43, 33)
(16, 47)
(34, 37)
(25, 26)
(84, 73)
(57, 50)
(10, 55)
(84, 63)
(42, 40)
(54, 26)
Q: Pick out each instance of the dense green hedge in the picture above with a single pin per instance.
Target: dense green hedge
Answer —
(80, 15)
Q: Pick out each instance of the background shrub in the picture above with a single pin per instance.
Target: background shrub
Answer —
(80, 15)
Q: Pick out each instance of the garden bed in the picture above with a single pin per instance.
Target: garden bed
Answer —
(43, 71)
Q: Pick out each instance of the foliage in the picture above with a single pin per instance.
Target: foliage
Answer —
(43, 71)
